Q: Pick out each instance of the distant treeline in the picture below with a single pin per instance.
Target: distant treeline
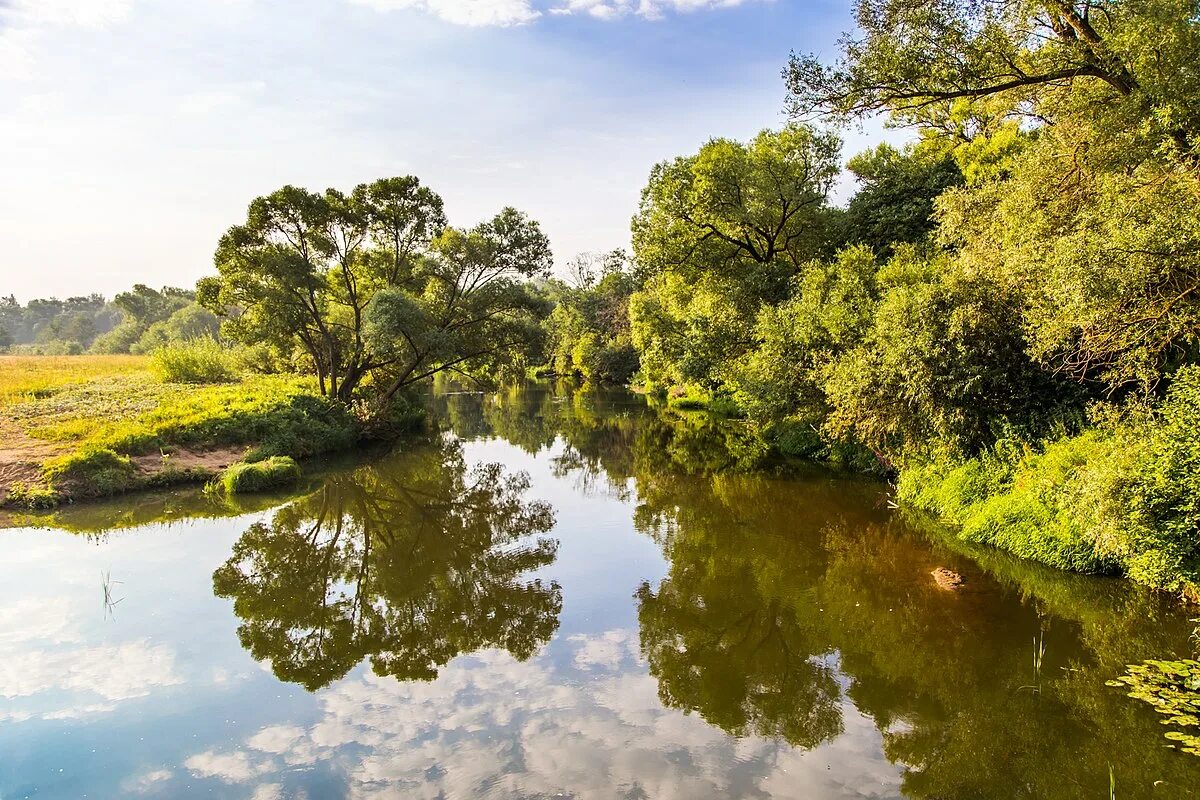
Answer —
(138, 321)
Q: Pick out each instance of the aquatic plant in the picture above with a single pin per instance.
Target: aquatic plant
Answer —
(1173, 689)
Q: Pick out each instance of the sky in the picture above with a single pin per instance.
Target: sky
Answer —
(134, 132)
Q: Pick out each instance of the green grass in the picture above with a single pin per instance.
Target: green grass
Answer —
(24, 378)
(100, 426)
(280, 415)
(258, 476)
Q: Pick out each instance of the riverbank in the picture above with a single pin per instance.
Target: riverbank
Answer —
(100, 426)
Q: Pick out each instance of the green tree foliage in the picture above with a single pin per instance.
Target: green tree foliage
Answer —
(829, 311)
(894, 202)
(408, 562)
(941, 364)
(1128, 65)
(588, 331)
(717, 235)
(373, 283)
(189, 323)
(1105, 258)
(141, 309)
(1087, 115)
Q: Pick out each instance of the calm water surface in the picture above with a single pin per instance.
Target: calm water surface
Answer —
(564, 596)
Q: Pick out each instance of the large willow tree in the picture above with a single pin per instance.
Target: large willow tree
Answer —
(374, 283)
(719, 233)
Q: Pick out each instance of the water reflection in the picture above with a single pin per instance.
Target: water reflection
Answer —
(704, 623)
(407, 562)
(789, 602)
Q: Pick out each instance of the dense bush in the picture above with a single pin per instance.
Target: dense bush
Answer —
(201, 360)
(1121, 497)
(259, 476)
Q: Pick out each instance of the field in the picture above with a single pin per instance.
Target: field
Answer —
(25, 378)
(73, 427)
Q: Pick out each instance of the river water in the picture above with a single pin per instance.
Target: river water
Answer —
(563, 595)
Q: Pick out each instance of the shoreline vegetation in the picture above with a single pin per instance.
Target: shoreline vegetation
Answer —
(124, 429)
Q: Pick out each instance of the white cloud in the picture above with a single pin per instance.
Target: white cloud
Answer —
(268, 791)
(472, 13)
(84, 13)
(550, 728)
(605, 651)
(25, 23)
(236, 767)
(503, 13)
(224, 99)
(146, 781)
(649, 9)
(46, 619)
(73, 678)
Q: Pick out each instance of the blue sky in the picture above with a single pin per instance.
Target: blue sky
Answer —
(135, 131)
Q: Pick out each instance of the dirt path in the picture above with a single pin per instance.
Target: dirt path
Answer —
(21, 457)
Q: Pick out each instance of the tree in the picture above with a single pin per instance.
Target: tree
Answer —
(190, 322)
(1076, 126)
(940, 365)
(373, 283)
(717, 235)
(894, 203)
(588, 331)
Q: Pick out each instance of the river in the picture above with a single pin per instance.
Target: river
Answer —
(563, 594)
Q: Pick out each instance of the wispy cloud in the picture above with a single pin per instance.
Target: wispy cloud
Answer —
(25, 25)
(472, 13)
(85, 13)
(505, 13)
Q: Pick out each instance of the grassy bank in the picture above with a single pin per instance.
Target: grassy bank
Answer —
(89, 426)
(1122, 497)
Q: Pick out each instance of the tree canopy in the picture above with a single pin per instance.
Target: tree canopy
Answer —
(374, 283)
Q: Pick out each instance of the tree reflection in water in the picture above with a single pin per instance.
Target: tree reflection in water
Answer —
(791, 597)
(409, 562)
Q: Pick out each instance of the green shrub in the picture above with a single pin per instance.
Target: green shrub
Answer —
(1121, 497)
(689, 398)
(91, 471)
(259, 476)
(31, 496)
(201, 360)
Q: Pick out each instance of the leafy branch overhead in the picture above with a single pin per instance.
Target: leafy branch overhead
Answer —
(1132, 61)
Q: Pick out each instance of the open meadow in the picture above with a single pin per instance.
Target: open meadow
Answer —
(73, 427)
(25, 378)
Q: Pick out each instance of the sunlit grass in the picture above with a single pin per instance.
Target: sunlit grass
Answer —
(99, 426)
(24, 378)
